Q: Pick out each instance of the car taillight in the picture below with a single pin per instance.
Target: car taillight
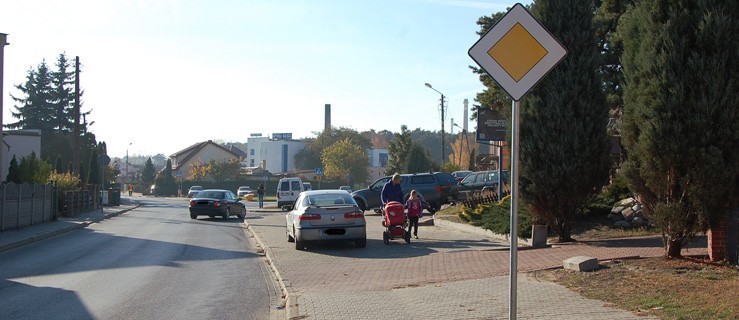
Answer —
(438, 189)
(354, 215)
(192, 203)
(216, 204)
(309, 216)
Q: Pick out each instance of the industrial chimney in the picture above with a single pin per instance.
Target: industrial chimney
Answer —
(466, 118)
(327, 120)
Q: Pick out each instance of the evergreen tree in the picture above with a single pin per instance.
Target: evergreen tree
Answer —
(62, 93)
(94, 167)
(148, 174)
(398, 151)
(493, 96)
(35, 110)
(13, 171)
(418, 160)
(681, 120)
(58, 168)
(166, 184)
(564, 156)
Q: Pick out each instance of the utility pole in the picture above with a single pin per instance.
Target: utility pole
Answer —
(3, 43)
(76, 151)
(442, 130)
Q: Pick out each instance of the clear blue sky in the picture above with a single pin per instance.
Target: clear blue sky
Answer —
(162, 75)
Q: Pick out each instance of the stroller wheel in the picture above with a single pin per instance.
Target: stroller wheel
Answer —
(407, 237)
(385, 237)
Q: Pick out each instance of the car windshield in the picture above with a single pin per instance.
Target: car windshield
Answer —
(196, 188)
(329, 199)
(212, 194)
(244, 188)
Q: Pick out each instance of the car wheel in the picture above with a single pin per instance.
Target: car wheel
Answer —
(193, 215)
(361, 243)
(289, 236)
(299, 244)
(228, 213)
(360, 203)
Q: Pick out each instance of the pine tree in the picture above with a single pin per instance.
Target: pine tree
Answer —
(35, 110)
(417, 160)
(58, 164)
(398, 151)
(564, 156)
(148, 174)
(681, 120)
(93, 173)
(63, 95)
(13, 171)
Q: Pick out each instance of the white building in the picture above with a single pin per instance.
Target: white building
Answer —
(19, 143)
(377, 164)
(277, 153)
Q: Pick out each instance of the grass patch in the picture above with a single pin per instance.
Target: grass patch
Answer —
(666, 288)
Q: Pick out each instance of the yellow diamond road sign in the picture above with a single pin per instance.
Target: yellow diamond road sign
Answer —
(517, 52)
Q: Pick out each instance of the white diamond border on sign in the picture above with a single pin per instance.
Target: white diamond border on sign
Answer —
(517, 14)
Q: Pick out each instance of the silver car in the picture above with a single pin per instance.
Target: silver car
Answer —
(325, 215)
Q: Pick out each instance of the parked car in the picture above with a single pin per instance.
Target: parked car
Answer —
(346, 188)
(193, 191)
(307, 186)
(243, 191)
(459, 175)
(288, 190)
(436, 187)
(482, 181)
(216, 202)
(325, 215)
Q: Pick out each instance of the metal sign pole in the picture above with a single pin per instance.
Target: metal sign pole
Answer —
(513, 296)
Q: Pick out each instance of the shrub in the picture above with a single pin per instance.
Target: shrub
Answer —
(64, 181)
(497, 217)
(602, 203)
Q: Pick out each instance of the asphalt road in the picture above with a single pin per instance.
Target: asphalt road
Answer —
(153, 262)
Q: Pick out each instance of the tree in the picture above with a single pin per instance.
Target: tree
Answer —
(94, 175)
(62, 95)
(310, 157)
(35, 110)
(13, 171)
(198, 171)
(564, 157)
(610, 47)
(462, 148)
(345, 160)
(398, 151)
(166, 184)
(493, 97)
(148, 174)
(681, 121)
(418, 160)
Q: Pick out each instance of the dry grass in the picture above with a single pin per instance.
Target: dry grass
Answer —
(666, 288)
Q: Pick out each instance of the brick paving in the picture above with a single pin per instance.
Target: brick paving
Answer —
(447, 274)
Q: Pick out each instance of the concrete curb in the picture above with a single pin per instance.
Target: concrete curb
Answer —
(53, 233)
(289, 298)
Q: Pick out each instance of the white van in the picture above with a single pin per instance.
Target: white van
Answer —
(288, 190)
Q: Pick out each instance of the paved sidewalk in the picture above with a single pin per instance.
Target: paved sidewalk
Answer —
(12, 239)
(447, 274)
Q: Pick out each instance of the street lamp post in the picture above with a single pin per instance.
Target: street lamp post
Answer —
(442, 121)
(3, 43)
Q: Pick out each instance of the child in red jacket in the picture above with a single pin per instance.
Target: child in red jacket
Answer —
(415, 205)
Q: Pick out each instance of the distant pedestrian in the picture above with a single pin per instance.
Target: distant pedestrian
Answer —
(415, 205)
(130, 189)
(260, 195)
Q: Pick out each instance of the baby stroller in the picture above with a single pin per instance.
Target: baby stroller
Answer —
(394, 221)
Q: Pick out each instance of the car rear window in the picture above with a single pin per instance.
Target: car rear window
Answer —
(296, 185)
(328, 200)
(211, 194)
(446, 179)
(285, 186)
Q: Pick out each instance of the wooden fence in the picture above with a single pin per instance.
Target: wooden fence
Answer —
(71, 203)
(24, 205)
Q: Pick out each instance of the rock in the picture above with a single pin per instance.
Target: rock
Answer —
(637, 222)
(636, 207)
(615, 210)
(622, 224)
(628, 214)
(639, 214)
(618, 217)
(581, 263)
(611, 216)
(626, 202)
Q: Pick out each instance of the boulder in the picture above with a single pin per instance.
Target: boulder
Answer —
(628, 214)
(637, 222)
(639, 214)
(626, 202)
(611, 216)
(581, 263)
(636, 207)
(622, 224)
(616, 210)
